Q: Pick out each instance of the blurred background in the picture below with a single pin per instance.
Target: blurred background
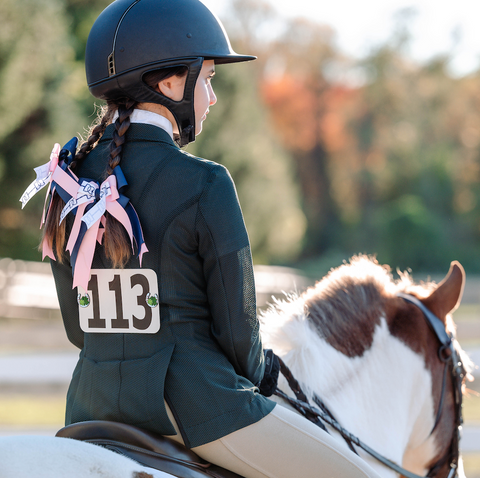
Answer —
(357, 130)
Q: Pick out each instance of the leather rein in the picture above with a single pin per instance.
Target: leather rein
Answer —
(452, 361)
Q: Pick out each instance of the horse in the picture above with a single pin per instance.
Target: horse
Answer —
(351, 340)
(25, 456)
(373, 359)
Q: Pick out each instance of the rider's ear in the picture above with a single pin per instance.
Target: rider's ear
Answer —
(172, 87)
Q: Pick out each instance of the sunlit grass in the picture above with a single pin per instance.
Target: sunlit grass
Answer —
(467, 312)
(471, 409)
(49, 410)
(23, 410)
(471, 463)
(471, 415)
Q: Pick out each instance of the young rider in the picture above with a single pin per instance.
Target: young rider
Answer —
(169, 338)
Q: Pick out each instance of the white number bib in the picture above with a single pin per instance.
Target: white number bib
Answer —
(120, 301)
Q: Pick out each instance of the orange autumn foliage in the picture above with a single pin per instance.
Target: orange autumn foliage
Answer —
(306, 114)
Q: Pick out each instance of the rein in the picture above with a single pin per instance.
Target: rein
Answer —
(446, 353)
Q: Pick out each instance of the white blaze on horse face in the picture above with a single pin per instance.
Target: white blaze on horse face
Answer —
(383, 397)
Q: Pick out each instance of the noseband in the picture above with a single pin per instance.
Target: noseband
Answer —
(446, 354)
(452, 361)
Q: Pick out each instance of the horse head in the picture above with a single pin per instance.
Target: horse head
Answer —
(439, 450)
(373, 359)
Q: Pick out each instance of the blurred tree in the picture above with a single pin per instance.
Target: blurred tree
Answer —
(409, 148)
(43, 97)
(298, 94)
(386, 150)
(239, 135)
(33, 51)
(380, 155)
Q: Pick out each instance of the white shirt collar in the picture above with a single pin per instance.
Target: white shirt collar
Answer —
(148, 117)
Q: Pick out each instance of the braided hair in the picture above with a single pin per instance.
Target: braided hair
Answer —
(116, 242)
(54, 232)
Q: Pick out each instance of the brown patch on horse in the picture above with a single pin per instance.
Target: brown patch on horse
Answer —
(142, 474)
(348, 303)
(407, 322)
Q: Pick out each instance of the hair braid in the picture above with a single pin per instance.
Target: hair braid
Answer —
(96, 132)
(121, 126)
(54, 233)
(116, 242)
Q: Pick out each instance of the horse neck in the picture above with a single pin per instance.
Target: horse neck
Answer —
(382, 396)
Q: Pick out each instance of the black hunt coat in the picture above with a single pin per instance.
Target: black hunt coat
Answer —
(207, 356)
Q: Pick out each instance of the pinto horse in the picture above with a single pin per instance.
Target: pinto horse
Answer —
(372, 358)
(350, 340)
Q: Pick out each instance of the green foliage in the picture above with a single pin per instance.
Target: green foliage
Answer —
(30, 49)
(409, 224)
(238, 135)
(43, 100)
(388, 164)
(409, 208)
(43, 71)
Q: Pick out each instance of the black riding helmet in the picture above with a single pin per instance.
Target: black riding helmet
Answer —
(131, 38)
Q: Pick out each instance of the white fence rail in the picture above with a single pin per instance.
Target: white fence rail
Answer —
(27, 289)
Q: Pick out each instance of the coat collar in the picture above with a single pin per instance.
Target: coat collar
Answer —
(140, 132)
(149, 117)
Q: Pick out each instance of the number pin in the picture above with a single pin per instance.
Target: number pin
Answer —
(152, 300)
(83, 300)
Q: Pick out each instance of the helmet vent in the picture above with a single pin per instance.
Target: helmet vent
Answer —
(111, 58)
(111, 64)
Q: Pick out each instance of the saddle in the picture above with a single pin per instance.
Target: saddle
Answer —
(154, 451)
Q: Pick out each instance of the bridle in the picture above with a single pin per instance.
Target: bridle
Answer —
(446, 354)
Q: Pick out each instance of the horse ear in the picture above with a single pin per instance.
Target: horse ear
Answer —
(447, 296)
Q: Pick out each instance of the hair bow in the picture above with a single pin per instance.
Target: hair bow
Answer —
(89, 230)
(44, 176)
(88, 201)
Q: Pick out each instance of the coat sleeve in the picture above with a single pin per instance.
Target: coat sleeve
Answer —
(227, 263)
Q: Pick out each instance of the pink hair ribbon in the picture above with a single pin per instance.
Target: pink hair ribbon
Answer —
(89, 202)
(92, 218)
(44, 176)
